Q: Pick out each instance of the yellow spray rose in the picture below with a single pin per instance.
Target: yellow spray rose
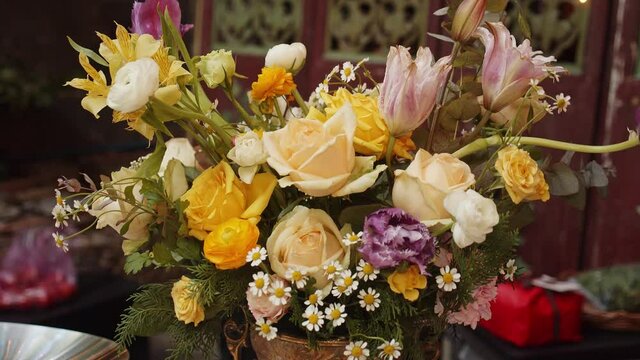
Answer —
(407, 282)
(523, 179)
(217, 195)
(185, 302)
(228, 244)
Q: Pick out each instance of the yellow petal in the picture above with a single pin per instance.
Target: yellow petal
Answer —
(146, 46)
(142, 127)
(258, 194)
(126, 45)
(316, 114)
(168, 94)
(411, 294)
(94, 104)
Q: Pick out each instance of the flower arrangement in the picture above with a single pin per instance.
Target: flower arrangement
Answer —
(348, 215)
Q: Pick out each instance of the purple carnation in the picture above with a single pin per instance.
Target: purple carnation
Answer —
(392, 236)
(145, 19)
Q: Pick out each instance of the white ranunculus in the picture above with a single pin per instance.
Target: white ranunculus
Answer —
(217, 66)
(248, 153)
(474, 214)
(179, 149)
(288, 56)
(134, 83)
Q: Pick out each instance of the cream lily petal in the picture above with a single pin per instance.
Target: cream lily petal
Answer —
(147, 46)
(362, 177)
(247, 173)
(169, 95)
(94, 104)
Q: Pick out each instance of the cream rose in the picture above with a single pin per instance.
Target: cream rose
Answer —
(318, 158)
(420, 190)
(306, 239)
(216, 66)
(248, 153)
(185, 302)
(179, 149)
(134, 83)
(288, 56)
(475, 216)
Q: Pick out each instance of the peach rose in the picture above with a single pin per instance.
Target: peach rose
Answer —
(319, 158)
(420, 190)
(262, 307)
(306, 239)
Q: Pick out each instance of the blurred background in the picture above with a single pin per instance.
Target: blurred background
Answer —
(46, 134)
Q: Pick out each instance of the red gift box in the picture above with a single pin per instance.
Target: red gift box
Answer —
(529, 315)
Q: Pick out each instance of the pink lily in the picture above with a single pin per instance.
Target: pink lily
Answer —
(145, 19)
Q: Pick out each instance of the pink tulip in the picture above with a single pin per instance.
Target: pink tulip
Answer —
(507, 69)
(468, 17)
(145, 19)
(410, 88)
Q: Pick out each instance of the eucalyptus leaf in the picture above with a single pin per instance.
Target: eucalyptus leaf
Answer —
(460, 109)
(90, 53)
(562, 180)
(441, 37)
(441, 12)
(594, 175)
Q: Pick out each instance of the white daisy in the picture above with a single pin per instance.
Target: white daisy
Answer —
(335, 313)
(80, 206)
(314, 317)
(509, 270)
(337, 291)
(348, 73)
(352, 238)
(322, 88)
(535, 87)
(331, 73)
(448, 278)
(562, 102)
(366, 271)
(297, 276)
(547, 107)
(279, 293)
(59, 199)
(260, 284)
(356, 351)
(390, 350)
(60, 215)
(332, 269)
(266, 330)
(315, 299)
(60, 243)
(370, 299)
(553, 74)
(257, 255)
(348, 281)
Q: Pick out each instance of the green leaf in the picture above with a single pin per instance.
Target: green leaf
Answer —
(150, 118)
(162, 254)
(189, 248)
(90, 53)
(522, 21)
(457, 110)
(136, 261)
(496, 6)
(128, 194)
(579, 199)
(441, 37)
(594, 175)
(468, 59)
(151, 165)
(562, 180)
(355, 215)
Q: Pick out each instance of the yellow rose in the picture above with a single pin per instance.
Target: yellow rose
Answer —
(306, 239)
(228, 244)
(318, 158)
(407, 282)
(217, 195)
(185, 302)
(421, 188)
(522, 177)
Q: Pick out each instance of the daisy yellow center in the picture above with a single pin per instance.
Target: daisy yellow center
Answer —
(341, 288)
(259, 283)
(562, 103)
(389, 349)
(265, 328)
(447, 278)
(59, 200)
(347, 72)
(279, 292)
(356, 351)
(367, 269)
(353, 238)
(313, 299)
(331, 269)
(369, 299)
(348, 281)
(335, 313)
(313, 319)
(255, 256)
(296, 276)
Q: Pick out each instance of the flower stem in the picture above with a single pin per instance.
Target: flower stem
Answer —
(250, 120)
(300, 101)
(481, 144)
(390, 146)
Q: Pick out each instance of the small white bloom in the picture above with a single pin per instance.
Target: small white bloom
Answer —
(249, 152)
(352, 238)
(438, 309)
(266, 330)
(60, 242)
(474, 214)
(60, 215)
(390, 350)
(509, 270)
(361, 62)
(179, 149)
(297, 276)
(356, 351)
(338, 291)
(562, 102)
(366, 271)
(370, 299)
(314, 317)
(256, 255)
(79, 206)
(331, 73)
(347, 74)
(279, 293)
(547, 107)
(336, 314)
(289, 56)
(315, 298)
(553, 73)
(332, 269)
(322, 88)
(260, 284)
(133, 84)
(448, 278)
(348, 281)
(293, 112)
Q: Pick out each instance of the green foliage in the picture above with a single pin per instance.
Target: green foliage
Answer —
(137, 261)
(189, 339)
(221, 291)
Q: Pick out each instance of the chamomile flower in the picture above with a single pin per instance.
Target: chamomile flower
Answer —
(348, 73)
(331, 73)
(336, 314)
(361, 62)
(390, 349)
(315, 299)
(332, 269)
(314, 317)
(348, 281)
(260, 284)
(370, 299)
(356, 351)
(60, 215)
(547, 107)
(448, 278)
(535, 87)
(554, 75)
(60, 242)
(352, 238)
(266, 329)
(279, 293)
(338, 290)
(297, 276)
(256, 255)
(509, 270)
(366, 271)
(80, 206)
(562, 102)
(322, 88)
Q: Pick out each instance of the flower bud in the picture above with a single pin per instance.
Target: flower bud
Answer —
(217, 66)
(288, 56)
(134, 83)
(467, 19)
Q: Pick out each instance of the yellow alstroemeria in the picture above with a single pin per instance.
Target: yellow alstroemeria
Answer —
(95, 85)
